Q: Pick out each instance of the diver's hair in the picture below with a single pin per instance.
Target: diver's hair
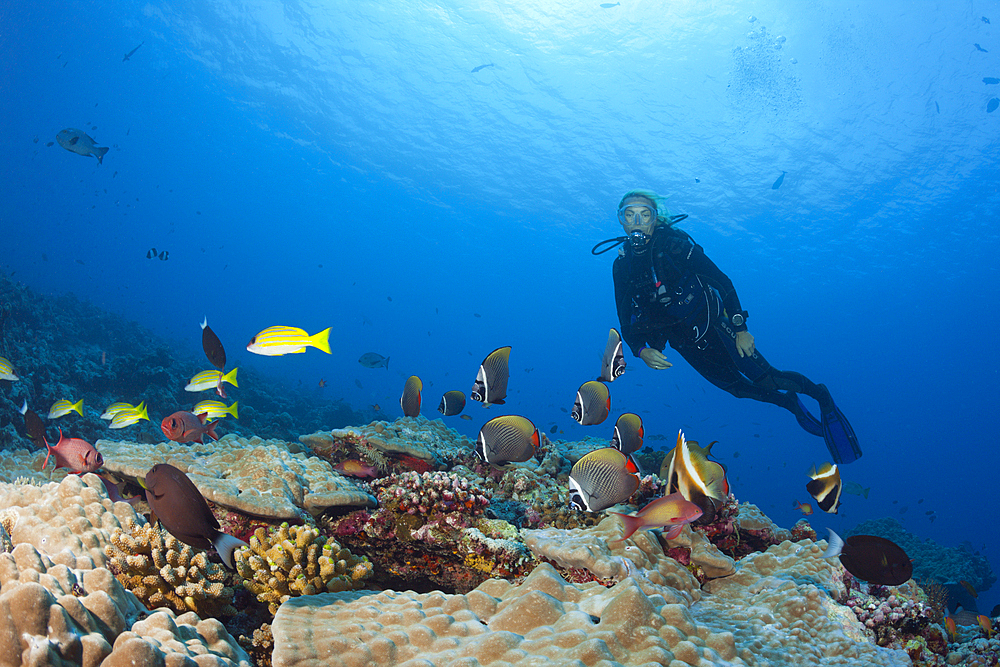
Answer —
(662, 214)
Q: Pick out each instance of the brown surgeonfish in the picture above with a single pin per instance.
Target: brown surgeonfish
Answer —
(699, 480)
(490, 386)
(410, 400)
(593, 403)
(613, 361)
(825, 487)
(871, 558)
(600, 479)
(213, 347)
(452, 403)
(182, 510)
(34, 425)
(505, 439)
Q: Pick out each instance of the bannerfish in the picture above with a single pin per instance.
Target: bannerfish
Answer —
(113, 409)
(507, 438)
(211, 379)
(213, 347)
(183, 512)
(490, 387)
(474, 70)
(188, 427)
(164, 255)
(132, 52)
(698, 479)
(452, 403)
(73, 453)
(871, 558)
(410, 400)
(856, 489)
(593, 403)
(825, 487)
(77, 141)
(600, 480)
(7, 371)
(151, 253)
(628, 435)
(64, 407)
(613, 361)
(992, 105)
(33, 425)
(805, 508)
(356, 468)
(279, 340)
(990, 80)
(129, 417)
(671, 511)
(777, 183)
(217, 409)
(373, 360)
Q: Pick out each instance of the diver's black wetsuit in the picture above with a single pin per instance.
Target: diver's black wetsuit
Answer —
(672, 292)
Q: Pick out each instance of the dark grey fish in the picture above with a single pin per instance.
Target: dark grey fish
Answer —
(989, 80)
(980, 48)
(373, 360)
(613, 361)
(452, 403)
(410, 400)
(132, 52)
(507, 438)
(214, 351)
(992, 105)
(151, 253)
(777, 183)
(490, 387)
(182, 510)
(476, 69)
(600, 480)
(164, 255)
(77, 141)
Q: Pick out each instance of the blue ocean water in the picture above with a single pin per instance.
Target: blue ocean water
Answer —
(342, 165)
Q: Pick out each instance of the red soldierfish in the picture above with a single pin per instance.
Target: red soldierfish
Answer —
(188, 427)
(78, 455)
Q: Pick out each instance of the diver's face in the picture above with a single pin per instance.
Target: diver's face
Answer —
(637, 216)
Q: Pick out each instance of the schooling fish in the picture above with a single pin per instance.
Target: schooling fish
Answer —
(7, 371)
(476, 69)
(151, 253)
(410, 400)
(452, 403)
(211, 380)
(627, 438)
(113, 409)
(673, 511)
(132, 52)
(989, 80)
(600, 480)
(73, 453)
(34, 426)
(992, 105)
(613, 361)
(213, 347)
(279, 340)
(507, 438)
(825, 487)
(593, 403)
(182, 510)
(777, 183)
(374, 360)
(64, 407)
(979, 48)
(871, 558)
(129, 417)
(77, 141)
(490, 387)
(217, 409)
(188, 427)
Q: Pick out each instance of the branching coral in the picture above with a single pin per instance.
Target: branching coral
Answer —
(162, 572)
(292, 561)
(8, 518)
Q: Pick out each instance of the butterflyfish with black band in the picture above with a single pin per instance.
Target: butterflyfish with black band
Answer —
(825, 487)
(490, 387)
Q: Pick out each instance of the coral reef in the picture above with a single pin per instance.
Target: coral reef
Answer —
(893, 614)
(162, 572)
(296, 560)
(166, 639)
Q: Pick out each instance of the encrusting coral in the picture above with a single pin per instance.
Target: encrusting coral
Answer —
(162, 572)
(296, 560)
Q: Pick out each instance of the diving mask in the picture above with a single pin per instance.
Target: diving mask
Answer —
(633, 216)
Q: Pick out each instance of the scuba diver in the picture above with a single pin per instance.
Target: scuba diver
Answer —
(668, 291)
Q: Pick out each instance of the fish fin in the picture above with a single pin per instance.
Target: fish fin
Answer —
(230, 377)
(674, 532)
(386, 364)
(632, 465)
(321, 340)
(630, 524)
(100, 154)
(226, 544)
(836, 545)
(498, 401)
(210, 430)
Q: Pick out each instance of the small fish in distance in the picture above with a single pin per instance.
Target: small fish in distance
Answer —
(481, 67)
(609, 5)
(777, 183)
(374, 360)
(77, 141)
(132, 52)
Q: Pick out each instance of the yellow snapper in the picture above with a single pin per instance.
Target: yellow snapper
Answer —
(7, 371)
(217, 409)
(210, 380)
(276, 341)
(64, 407)
(115, 408)
(129, 417)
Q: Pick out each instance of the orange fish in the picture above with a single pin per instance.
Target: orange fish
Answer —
(376, 407)
(806, 508)
(949, 625)
(967, 586)
(984, 623)
(355, 468)
(673, 511)
(322, 382)
(188, 427)
(78, 455)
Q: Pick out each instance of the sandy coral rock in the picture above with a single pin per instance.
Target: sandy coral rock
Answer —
(704, 554)
(51, 614)
(73, 516)
(259, 477)
(751, 519)
(166, 639)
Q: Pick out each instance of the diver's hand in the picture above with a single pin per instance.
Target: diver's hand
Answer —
(744, 343)
(654, 358)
